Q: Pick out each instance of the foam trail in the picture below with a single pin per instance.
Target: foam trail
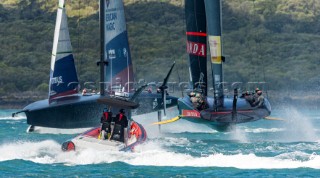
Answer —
(151, 154)
(6, 114)
(40, 152)
(20, 117)
(264, 130)
(46, 130)
(241, 161)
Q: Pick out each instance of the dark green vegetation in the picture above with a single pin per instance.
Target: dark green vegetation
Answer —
(264, 40)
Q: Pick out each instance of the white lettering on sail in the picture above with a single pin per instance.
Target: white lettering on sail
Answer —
(110, 26)
(124, 52)
(110, 18)
(112, 54)
(195, 48)
(198, 49)
(56, 80)
(202, 51)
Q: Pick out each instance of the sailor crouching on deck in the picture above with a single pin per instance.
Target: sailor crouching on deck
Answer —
(256, 99)
(106, 121)
(260, 100)
(120, 127)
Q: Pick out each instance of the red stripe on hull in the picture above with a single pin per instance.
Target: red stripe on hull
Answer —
(229, 112)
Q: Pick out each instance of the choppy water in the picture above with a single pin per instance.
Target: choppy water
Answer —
(264, 148)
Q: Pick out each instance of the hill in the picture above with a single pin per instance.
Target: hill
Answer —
(264, 41)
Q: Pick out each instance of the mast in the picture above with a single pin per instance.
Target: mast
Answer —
(213, 10)
(102, 43)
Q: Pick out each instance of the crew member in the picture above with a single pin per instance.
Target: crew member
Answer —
(105, 123)
(198, 101)
(249, 97)
(260, 100)
(121, 123)
(244, 94)
(255, 95)
(84, 91)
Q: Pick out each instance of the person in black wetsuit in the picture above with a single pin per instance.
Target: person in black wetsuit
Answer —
(121, 122)
(105, 123)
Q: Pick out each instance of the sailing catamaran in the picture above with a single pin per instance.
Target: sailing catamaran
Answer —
(65, 107)
(203, 23)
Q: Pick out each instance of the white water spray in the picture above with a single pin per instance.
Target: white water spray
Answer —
(150, 154)
(239, 134)
(298, 126)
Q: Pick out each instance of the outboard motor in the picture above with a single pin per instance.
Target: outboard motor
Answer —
(117, 132)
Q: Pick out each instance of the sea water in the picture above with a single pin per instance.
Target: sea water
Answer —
(264, 148)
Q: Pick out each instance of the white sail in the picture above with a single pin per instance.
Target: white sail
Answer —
(119, 72)
(63, 76)
(61, 42)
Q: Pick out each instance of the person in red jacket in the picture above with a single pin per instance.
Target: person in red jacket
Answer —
(121, 124)
(105, 123)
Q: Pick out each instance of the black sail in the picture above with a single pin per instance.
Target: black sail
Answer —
(197, 43)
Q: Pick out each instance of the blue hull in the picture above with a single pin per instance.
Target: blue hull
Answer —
(79, 111)
(70, 112)
(223, 117)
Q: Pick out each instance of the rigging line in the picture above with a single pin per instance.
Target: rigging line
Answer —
(167, 25)
(78, 38)
(259, 49)
(194, 10)
(255, 40)
(168, 31)
(179, 78)
(184, 21)
(253, 69)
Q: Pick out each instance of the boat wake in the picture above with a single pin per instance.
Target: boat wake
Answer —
(19, 117)
(263, 130)
(152, 153)
(46, 130)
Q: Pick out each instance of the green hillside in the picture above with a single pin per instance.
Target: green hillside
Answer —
(264, 40)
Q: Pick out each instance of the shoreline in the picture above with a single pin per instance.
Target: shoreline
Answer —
(20, 100)
(277, 99)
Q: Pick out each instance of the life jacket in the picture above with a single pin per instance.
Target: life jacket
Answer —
(122, 120)
(105, 116)
(120, 116)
